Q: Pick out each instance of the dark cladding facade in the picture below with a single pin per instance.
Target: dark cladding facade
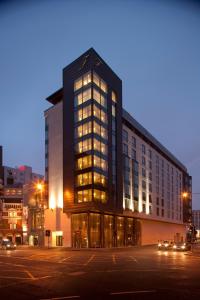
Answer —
(92, 160)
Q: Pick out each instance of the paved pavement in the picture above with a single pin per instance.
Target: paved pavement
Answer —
(133, 273)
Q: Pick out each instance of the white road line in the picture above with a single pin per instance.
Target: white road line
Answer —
(64, 259)
(132, 292)
(134, 259)
(60, 298)
(29, 274)
(89, 260)
(114, 259)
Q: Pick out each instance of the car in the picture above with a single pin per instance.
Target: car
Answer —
(7, 245)
(164, 245)
(181, 246)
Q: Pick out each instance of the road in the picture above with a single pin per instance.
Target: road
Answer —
(132, 273)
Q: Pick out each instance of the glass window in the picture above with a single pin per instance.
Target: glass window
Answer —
(84, 196)
(99, 146)
(82, 81)
(83, 146)
(143, 149)
(113, 110)
(83, 97)
(95, 237)
(100, 163)
(99, 82)
(133, 141)
(84, 162)
(99, 97)
(100, 114)
(100, 130)
(80, 230)
(99, 196)
(99, 179)
(83, 113)
(125, 149)
(114, 97)
(108, 230)
(84, 179)
(120, 231)
(125, 136)
(83, 129)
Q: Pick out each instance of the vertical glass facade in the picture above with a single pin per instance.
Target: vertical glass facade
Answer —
(91, 138)
(108, 231)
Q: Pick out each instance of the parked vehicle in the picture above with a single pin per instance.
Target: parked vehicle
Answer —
(165, 245)
(7, 245)
(181, 246)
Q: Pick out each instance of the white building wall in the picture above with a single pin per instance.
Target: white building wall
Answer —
(55, 219)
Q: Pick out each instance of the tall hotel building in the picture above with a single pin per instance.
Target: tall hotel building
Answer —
(110, 182)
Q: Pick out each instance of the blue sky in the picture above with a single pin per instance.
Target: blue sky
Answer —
(153, 45)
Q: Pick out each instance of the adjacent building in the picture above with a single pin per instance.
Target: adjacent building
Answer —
(196, 221)
(14, 201)
(110, 182)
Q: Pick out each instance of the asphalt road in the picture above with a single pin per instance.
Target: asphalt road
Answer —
(133, 273)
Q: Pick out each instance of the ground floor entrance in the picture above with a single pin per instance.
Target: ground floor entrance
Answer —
(97, 230)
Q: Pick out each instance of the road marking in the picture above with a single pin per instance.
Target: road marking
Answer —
(60, 298)
(134, 259)
(29, 274)
(14, 277)
(114, 259)
(10, 264)
(132, 292)
(89, 260)
(64, 259)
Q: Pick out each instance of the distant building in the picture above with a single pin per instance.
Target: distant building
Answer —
(14, 202)
(196, 221)
(110, 182)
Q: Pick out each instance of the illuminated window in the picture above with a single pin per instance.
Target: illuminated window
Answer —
(83, 113)
(100, 114)
(99, 179)
(99, 196)
(99, 146)
(100, 163)
(83, 146)
(99, 82)
(99, 97)
(83, 129)
(84, 179)
(100, 130)
(84, 196)
(83, 97)
(84, 162)
(82, 81)
(114, 97)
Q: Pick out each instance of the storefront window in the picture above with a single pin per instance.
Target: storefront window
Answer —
(108, 231)
(80, 230)
(120, 231)
(95, 237)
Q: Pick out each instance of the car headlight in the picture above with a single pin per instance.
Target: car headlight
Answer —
(174, 246)
(159, 245)
(15, 245)
(166, 245)
(8, 246)
(183, 247)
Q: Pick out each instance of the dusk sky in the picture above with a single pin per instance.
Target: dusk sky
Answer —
(153, 46)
